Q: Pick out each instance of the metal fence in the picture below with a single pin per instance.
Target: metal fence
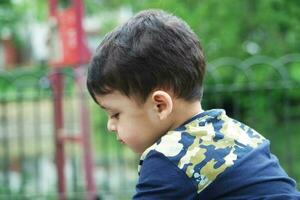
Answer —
(262, 92)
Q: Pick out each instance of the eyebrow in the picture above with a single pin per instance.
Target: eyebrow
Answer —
(105, 108)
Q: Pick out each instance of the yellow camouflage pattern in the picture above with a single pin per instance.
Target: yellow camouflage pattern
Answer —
(206, 146)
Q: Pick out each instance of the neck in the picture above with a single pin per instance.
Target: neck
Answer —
(183, 111)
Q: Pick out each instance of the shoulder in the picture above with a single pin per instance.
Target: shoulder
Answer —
(256, 174)
(210, 151)
(207, 145)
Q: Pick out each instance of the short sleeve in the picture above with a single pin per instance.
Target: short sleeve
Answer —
(161, 179)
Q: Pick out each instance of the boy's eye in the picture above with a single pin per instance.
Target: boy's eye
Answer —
(115, 116)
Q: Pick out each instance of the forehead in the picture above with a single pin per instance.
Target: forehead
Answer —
(115, 99)
(110, 98)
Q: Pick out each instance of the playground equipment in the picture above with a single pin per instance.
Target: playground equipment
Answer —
(67, 40)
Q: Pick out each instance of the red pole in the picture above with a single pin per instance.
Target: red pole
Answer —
(85, 132)
(80, 35)
(52, 7)
(88, 163)
(57, 84)
(57, 87)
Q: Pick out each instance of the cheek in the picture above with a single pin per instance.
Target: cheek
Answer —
(153, 122)
(132, 137)
(131, 133)
(127, 131)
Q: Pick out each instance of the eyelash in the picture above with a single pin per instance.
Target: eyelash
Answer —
(115, 116)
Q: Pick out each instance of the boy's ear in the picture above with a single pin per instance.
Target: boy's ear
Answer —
(163, 104)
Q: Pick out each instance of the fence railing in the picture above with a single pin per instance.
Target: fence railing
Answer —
(262, 92)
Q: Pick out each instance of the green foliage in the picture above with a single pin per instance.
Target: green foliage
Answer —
(259, 96)
(253, 91)
(226, 28)
(229, 27)
(15, 14)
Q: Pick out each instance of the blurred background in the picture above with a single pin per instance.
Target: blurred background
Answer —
(53, 138)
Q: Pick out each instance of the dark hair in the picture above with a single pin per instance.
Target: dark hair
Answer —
(152, 50)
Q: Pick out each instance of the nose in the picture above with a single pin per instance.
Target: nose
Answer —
(111, 126)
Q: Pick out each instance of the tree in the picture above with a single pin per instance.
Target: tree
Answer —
(229, 27)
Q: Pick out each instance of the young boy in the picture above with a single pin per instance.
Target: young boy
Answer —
(147, 74)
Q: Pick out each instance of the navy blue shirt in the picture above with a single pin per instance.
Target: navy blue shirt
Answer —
(212, 156)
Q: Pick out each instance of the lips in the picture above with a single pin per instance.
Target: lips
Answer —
(120, 140)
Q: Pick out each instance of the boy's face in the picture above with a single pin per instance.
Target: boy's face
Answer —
(137, 126)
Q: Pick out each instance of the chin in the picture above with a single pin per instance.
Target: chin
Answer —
(137, 151)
